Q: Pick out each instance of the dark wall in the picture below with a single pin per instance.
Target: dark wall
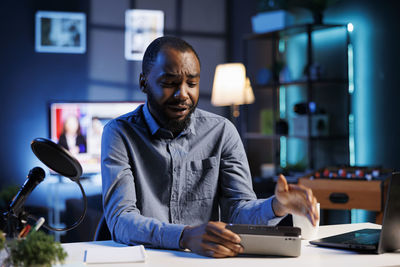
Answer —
(29, 80)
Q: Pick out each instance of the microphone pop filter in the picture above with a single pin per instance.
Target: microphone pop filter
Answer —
(57, 158)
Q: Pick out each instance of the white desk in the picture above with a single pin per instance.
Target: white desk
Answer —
(310, 255)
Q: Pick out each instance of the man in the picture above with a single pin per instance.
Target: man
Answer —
(173, 175)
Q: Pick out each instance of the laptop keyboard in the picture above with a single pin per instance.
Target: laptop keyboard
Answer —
(364, 237)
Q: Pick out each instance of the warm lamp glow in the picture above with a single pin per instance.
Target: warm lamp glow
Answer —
(231, 87)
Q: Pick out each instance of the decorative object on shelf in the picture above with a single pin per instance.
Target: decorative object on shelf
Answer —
(60, 32)
(271, 21)
(319, 120)
(319, 125)
(272, 16)
(284, 75)
(231, 87)
(311, 107)
(268, 170)
(314, 71)
(264, 76)
(37, 249)
(267, 121)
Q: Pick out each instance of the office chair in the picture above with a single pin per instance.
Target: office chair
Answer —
(102, 233)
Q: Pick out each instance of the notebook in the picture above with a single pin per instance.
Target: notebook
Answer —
(115, 254)
(373, 240)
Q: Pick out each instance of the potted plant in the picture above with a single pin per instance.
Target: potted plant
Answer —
(37, 249)
(2, 240)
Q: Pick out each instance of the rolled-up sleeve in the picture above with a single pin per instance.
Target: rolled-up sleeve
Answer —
(123, 217)
(238, 201)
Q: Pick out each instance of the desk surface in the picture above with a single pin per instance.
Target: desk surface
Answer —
(310, 255)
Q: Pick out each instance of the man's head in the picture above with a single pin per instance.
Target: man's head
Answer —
(170, 77)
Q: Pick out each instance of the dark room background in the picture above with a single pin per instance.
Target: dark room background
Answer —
(215, 28)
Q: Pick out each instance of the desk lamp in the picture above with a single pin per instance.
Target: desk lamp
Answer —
(231, 87)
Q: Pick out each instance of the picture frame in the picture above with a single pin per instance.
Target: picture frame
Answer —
(141, 28)
(60, 32)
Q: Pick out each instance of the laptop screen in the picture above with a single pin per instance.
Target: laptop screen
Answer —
(390, 236)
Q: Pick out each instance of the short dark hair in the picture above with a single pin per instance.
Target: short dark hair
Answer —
(151, 53)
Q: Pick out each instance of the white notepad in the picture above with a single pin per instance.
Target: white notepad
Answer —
(115, 254)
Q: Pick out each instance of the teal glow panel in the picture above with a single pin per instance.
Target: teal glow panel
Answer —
(282, 102)
(362, 94)
(283, 151)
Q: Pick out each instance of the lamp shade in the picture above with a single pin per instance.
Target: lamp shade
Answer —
(231, 87)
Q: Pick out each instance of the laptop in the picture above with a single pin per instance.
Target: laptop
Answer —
(373, 240)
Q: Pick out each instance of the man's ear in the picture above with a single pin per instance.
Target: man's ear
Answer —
(142, 82)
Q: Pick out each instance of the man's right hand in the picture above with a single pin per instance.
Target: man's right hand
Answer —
(211, 239)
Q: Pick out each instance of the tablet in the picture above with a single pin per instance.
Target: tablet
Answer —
(268, 240)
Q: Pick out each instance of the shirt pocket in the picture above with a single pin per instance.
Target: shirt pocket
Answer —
(202, 179)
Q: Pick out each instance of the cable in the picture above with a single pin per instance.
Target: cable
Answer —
(51, 228)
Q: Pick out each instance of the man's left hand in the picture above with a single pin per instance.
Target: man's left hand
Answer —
(294, 199)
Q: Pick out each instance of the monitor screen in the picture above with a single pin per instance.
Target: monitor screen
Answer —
(78, 126)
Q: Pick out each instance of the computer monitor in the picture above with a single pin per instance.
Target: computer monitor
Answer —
(78, 126)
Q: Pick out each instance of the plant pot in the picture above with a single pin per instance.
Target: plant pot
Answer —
(3, 258)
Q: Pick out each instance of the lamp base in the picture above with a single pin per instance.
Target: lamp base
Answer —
(235, 111)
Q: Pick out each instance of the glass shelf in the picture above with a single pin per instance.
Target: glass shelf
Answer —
(292, 30)
(255, 135)
(344, 82)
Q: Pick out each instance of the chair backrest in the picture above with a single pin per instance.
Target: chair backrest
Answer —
(102, 233)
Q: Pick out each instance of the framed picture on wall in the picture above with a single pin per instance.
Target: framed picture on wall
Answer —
(141, 28)
(60, 32)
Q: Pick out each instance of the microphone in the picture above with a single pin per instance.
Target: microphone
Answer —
(35, 176)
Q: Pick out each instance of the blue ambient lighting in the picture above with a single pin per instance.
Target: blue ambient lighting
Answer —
(282, 115)
(282, 45)
(352, 141)
(350, 27)
(350, 54)
(362, 100)
(282, 102)
(283, 154)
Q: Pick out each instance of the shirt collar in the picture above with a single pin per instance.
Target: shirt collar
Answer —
(151, 122)
(155, 127)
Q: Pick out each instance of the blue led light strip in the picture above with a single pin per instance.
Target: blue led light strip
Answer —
(282, 115)
(350, 55)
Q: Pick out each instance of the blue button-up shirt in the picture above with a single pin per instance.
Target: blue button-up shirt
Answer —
(154, 184)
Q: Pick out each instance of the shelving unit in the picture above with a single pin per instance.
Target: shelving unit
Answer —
(315, 60)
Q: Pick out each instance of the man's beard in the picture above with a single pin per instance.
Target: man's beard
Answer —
(174, 125)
